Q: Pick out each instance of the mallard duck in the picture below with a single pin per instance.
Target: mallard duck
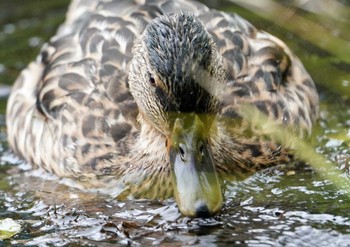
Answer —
(149, 93)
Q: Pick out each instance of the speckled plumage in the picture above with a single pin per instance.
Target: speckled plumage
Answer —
(71, 111)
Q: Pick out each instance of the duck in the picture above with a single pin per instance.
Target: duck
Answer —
(149, 94)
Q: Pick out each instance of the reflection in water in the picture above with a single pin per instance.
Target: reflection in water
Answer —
(287, 205)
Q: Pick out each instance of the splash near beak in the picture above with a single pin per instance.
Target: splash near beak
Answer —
(196, 184)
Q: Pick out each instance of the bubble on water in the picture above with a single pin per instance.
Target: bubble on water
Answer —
(277, 191)
(34, 42)
(9, 28)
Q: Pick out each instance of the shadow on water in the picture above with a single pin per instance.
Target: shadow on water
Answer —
(289, 204)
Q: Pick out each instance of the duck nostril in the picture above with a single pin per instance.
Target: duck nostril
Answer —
(182, 152)
(202, 211)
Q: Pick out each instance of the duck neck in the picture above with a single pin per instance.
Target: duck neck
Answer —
(148, 172)
(238, 154)
(151, 143)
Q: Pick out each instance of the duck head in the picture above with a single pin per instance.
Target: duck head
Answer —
(175, 77)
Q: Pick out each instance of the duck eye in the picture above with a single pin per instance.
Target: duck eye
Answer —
(152, 81)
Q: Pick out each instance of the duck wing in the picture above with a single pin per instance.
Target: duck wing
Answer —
(262, 71)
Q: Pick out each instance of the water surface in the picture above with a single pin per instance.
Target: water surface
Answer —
(289, 205)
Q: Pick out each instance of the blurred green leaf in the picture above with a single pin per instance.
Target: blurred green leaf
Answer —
(301, 148)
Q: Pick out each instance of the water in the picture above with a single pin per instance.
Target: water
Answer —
(285, 206)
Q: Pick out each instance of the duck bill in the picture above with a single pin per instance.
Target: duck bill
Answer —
(196, 185)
